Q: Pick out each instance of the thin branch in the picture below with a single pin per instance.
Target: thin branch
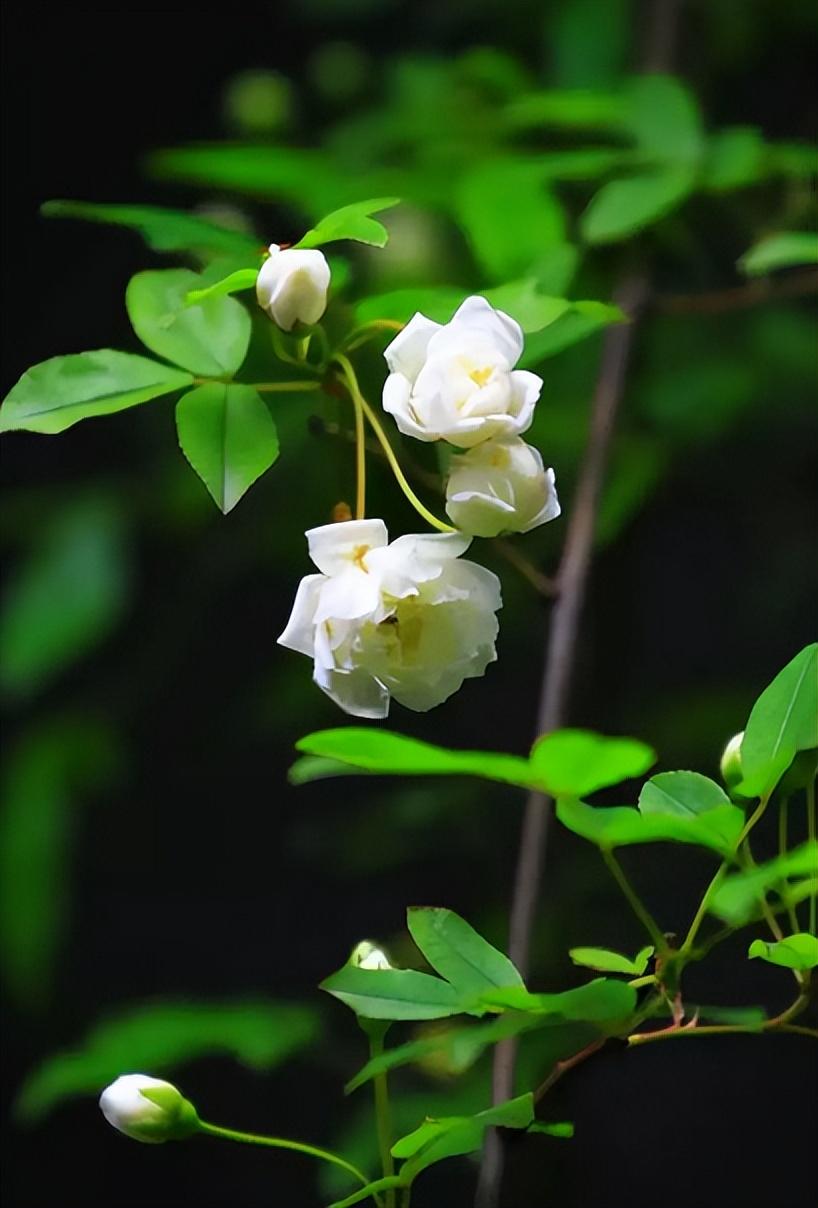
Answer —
(738, 297)
(572, 577)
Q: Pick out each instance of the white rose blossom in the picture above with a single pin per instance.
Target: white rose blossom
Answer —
(457, 381)
(410, 620)
(148, 1109)
(292, 285)
(500, 486)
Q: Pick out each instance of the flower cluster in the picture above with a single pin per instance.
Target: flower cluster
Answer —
(411, 619)
(457, 382)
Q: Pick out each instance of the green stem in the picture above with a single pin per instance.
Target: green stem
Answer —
(285, 387)
(355, 391)
(636, 904)
(783, 845)
(779, 1023)
(811, 828)
(324, 1155)
(721, 872)
(383, 1114)
(367, 331)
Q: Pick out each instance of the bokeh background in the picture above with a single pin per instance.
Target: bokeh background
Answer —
(151, 850)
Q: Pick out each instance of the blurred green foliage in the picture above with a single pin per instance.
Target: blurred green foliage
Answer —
(536, 170)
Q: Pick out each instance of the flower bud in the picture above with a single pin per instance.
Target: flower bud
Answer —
(730, 765)
(292, 286)
(148, 1109)
(500, 486)
(367, 955)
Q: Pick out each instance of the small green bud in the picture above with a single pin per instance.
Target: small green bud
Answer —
(148, 1109)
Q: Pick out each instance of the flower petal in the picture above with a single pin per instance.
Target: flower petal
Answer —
(407, 351)
(333, 547)
(300, 629)
(356, 692)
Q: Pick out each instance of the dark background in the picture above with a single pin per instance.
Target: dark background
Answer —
(202, 873)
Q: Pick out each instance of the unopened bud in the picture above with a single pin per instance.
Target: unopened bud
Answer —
(367, 955)
(730, 766)
(148, 1109)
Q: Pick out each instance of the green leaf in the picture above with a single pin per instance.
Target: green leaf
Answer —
(458, 1047)
(599, 1002)
(242, 278)
(685, 794)
(163, 230)
(563, 1128)
(737, 898)
(785, 249)
(47, 776)
(457, 952)
(783, 721)
(305, 177)
(664, 118)
(536, 312)
(228, 436)
(793, 952)
(55, 394)
(565, 758)
(572, 763)
(163, 1036)
(734, 159)
(620, 826)
(386, 752)
(351, 222)
(389, 1183)
(508, 214)
(394, 993)
(582, 320)
(65, 598)
(623, 207)
(612, 962)
(571, 109)
(435, 1140)
(210, 338)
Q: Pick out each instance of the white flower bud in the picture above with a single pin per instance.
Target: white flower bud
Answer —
(148, 1109)
(730, 765)
(367, 955)
(292, 286)
(500, 486)
(457, 381)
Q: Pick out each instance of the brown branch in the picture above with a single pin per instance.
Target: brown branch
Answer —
(562, 1067)
(738, 297)
(572, 577)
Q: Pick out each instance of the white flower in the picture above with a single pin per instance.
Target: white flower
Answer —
(457, 381)
(500, 486)
(148, 1109)
(367, 955)
(292, 285)
(409, 620)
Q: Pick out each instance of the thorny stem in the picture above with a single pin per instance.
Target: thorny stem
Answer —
(779, 1023)
(313, 1151)
(355, 391)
